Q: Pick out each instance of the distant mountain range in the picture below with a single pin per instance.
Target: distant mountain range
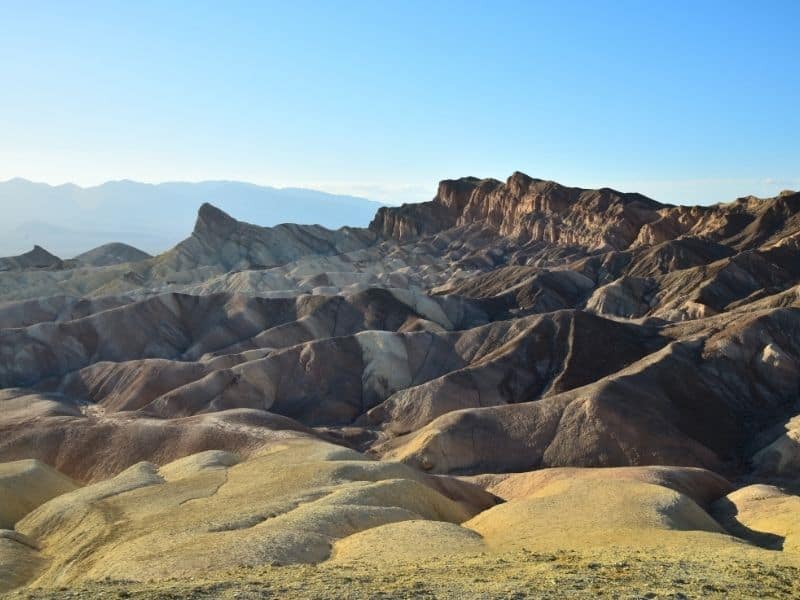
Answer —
(68, 220)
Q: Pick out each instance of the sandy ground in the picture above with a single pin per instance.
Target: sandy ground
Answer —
(565, 574)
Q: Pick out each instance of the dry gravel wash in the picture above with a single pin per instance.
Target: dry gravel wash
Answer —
(523, 574)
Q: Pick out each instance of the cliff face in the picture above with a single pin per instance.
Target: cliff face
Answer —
(604, 219)
(526, 208)
(411, 221)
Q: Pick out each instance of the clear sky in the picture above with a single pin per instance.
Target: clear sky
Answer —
(686, 101)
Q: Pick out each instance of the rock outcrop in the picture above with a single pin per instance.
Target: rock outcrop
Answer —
(38, 258)
(219, 240)
(527, 209)
(603, 219)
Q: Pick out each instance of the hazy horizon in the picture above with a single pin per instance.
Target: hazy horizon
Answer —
(383, 101)
(68, 219)
(739, 188)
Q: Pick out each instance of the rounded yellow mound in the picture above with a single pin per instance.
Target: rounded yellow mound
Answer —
(24, 485)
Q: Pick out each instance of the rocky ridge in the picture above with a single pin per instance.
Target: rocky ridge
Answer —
(38, 258)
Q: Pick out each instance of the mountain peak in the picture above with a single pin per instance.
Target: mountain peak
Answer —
(213, 221)
(41, 254)
(38, 258)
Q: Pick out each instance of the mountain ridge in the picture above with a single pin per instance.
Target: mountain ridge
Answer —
(471, 371)
(597, 219)
(157, 216)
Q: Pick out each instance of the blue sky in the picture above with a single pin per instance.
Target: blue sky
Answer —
(690, 102)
